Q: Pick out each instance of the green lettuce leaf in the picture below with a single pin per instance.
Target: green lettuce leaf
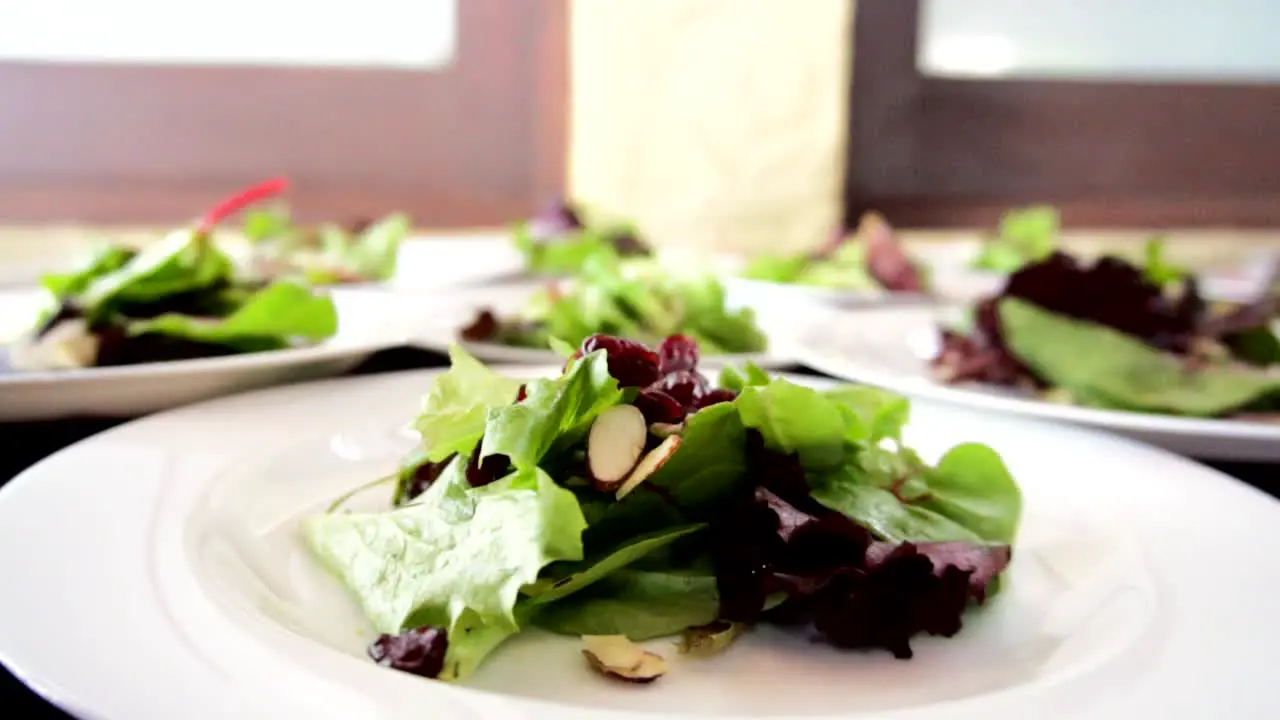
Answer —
(457, 405)
(561, 582)
(797, 419)
(555, 413)
(872, 414)
(106, 261)
(273, 316)
(1122, 372)
(1024, 236)
(562, 256)
(457, 554)
(639, 604)
(1157, 267)
(735, 379)
(184, 261)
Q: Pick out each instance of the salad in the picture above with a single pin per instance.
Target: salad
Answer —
(636, 298)
(871, 258)
(1113, 334)
(178, 299)
(557, 242)
(629, 499)
(329, 254)
(1031, 234)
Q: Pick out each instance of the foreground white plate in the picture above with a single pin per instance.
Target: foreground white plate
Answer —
(442, 316)
(154, 571)
(369, 320)
(891, 347)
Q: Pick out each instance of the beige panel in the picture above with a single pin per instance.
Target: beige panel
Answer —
(715, 123)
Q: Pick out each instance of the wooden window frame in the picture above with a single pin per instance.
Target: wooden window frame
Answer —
(943, 152)
(477, 143)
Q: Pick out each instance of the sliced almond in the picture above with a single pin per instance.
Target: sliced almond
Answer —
(649, 464)
(663, 430)
(614, 445)
(617, 657)
(711, 639)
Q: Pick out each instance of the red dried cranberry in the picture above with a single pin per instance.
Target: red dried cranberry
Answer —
(482, 473)
(419, 651)
(719, 395)
(483, 327)
(678, 352)
(424, 476)
(521, 394)
(630, 363)
(659, 407)
(686, 386)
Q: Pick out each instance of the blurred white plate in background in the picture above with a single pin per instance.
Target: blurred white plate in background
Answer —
(369, 320)
(892, 347)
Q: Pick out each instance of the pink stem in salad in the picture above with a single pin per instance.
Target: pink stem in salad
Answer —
(241, 200)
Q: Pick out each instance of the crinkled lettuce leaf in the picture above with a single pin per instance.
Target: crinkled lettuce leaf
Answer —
(640, 604)
(273, 315)
(457, 405)
(555, 413)
(1119, 371)
(455, 559)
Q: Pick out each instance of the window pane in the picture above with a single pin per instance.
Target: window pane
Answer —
(411, 34)
(1148, 40)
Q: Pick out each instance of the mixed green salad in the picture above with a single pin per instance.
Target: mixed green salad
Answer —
(1032, 234)
(871, 258)
(628, 499)
(637, 298)
(180, 298)
(1118, 335)
(558, 242)
(327, 254)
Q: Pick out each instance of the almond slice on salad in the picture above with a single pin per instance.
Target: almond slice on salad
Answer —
(663, 430)
(655, 459)
(617, 657)
(614, 445)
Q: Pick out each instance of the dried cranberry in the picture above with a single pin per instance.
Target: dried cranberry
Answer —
(719, 395)
(630, 363)
(482, 473)
(484, 327)
(521, 394)
(678, 352)
(420, 651)
(424, 476)
(686, 386)
(659, 407)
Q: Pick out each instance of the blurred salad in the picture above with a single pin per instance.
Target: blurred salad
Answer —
(636, 298)
(557, 242)
(1031, 234)
(178, 299)
(327, 254)
(605, 504)
(871, 258)
(1117, 335)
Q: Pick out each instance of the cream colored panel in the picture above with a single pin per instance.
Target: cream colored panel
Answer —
(713, 123)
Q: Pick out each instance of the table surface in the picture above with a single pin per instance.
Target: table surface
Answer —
(27, 443)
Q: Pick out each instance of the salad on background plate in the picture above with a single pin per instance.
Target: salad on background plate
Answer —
(327, 254)
(630, 498)
(636, 298)
(181, 298)
(558, 241)
(869, 260)
(1114, 335)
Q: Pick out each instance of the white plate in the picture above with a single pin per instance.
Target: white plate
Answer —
(173, 585)
(442, 316)
(369, 320)
(891, 347)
